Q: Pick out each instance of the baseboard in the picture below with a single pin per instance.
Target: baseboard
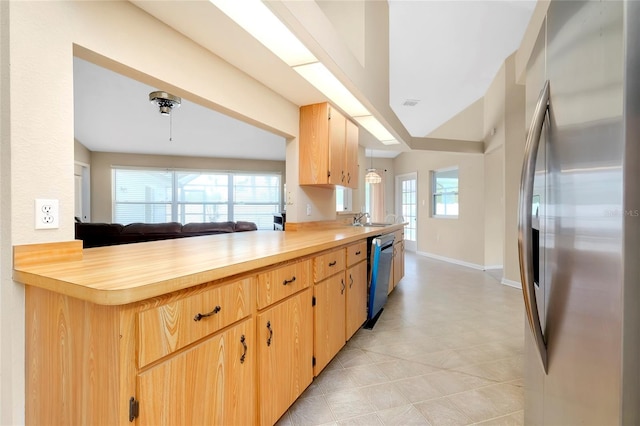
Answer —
(511, 283)
(489, 267)
(451, 260)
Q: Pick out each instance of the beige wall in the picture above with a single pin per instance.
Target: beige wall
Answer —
(460, 239)
(494, 208)
(102, 162)
(37, 123)
(504, 111)
(513, 157)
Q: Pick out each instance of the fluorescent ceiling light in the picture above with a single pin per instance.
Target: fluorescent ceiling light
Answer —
(390, 142)
(256, 19)
(374, 127)
(323, 80)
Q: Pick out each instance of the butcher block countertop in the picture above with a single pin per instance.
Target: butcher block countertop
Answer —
(122, 274)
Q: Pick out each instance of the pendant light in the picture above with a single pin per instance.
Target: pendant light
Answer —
(372, 176)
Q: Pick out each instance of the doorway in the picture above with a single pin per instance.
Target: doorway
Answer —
(406, 204)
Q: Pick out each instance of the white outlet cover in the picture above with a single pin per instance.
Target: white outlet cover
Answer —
(47, 214)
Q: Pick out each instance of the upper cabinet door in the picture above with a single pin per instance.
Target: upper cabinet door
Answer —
(328, 147)
(314, 145)
(351, 157)
(337, 133)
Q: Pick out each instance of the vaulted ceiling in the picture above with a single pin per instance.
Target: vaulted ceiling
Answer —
(442, 57)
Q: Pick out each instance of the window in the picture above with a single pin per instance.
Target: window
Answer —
(445, 192)
(152, 196)
(344, 199)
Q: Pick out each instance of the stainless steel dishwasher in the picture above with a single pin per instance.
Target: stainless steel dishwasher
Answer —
(381, 258)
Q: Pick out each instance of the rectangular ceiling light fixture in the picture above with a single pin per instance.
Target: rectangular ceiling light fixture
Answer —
(256, 19)
(323, 80)
(259, 21)
(378, 131)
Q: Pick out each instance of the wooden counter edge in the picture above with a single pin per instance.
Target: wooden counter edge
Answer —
(26, 256)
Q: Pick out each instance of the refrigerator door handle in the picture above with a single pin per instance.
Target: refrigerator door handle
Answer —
(525, 239)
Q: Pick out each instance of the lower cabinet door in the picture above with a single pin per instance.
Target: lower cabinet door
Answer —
(329, 320)
(285, 354)
(211, 383)
(356, 312)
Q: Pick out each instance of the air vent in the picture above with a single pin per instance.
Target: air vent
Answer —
(410, 102)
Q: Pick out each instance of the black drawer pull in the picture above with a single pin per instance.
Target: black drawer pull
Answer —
(350, 281)
(285, 282)
(244, 345)
(333, 263)
(358, 253)
(270, 333)
(199, 316)
(343, 286)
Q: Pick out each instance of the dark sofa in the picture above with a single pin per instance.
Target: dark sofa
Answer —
(108, 234)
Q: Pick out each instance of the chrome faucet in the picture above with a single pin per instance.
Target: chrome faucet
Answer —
(358, 217)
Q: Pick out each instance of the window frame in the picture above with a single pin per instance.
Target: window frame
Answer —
(444, 193)
(175, 206)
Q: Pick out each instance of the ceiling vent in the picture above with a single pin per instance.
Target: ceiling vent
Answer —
(411, 102)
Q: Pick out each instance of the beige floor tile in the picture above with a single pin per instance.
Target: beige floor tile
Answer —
(442, 412)
(366, 420)
(446, 350)
(349, 403)
(311, 411)
(384, 396)
(333, 380)
(401, 416)
(515, 419)
(490, 402)
(365, 375)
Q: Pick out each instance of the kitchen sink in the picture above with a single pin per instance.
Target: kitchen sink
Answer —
(372, 224)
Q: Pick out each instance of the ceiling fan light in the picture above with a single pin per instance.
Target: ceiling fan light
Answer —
(165, 101)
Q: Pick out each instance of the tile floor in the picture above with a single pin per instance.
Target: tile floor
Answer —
(447, 350)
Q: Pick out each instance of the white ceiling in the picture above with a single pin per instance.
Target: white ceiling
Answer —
(442, 53)
(445, 54)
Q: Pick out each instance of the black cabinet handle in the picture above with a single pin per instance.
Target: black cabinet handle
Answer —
(285, 282)
(199, 316)
(270, 333)
(343, 286)
(358, 253)
(244, 345)
(350, 281)
(333, 263)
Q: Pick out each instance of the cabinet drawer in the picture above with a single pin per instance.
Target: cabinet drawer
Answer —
(328, 264)
(356, 253)
(276, 284)
(174, 325)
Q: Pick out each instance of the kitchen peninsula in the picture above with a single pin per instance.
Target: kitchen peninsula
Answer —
(220, 329)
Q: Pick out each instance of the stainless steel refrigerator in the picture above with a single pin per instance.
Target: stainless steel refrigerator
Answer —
(579, 217)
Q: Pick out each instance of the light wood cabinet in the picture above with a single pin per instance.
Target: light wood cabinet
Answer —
(328, 320)
(285, 354)
(356, 302)
(356, 280)
(237, 349)
(397, 269)
(210, 383)
(328, 147)
(147, 362)
(329, 306)
(173, 325)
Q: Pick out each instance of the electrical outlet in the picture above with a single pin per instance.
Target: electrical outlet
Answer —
(308, 209)
(46, 214)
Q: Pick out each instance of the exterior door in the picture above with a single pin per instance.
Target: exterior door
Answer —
(407, 205)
